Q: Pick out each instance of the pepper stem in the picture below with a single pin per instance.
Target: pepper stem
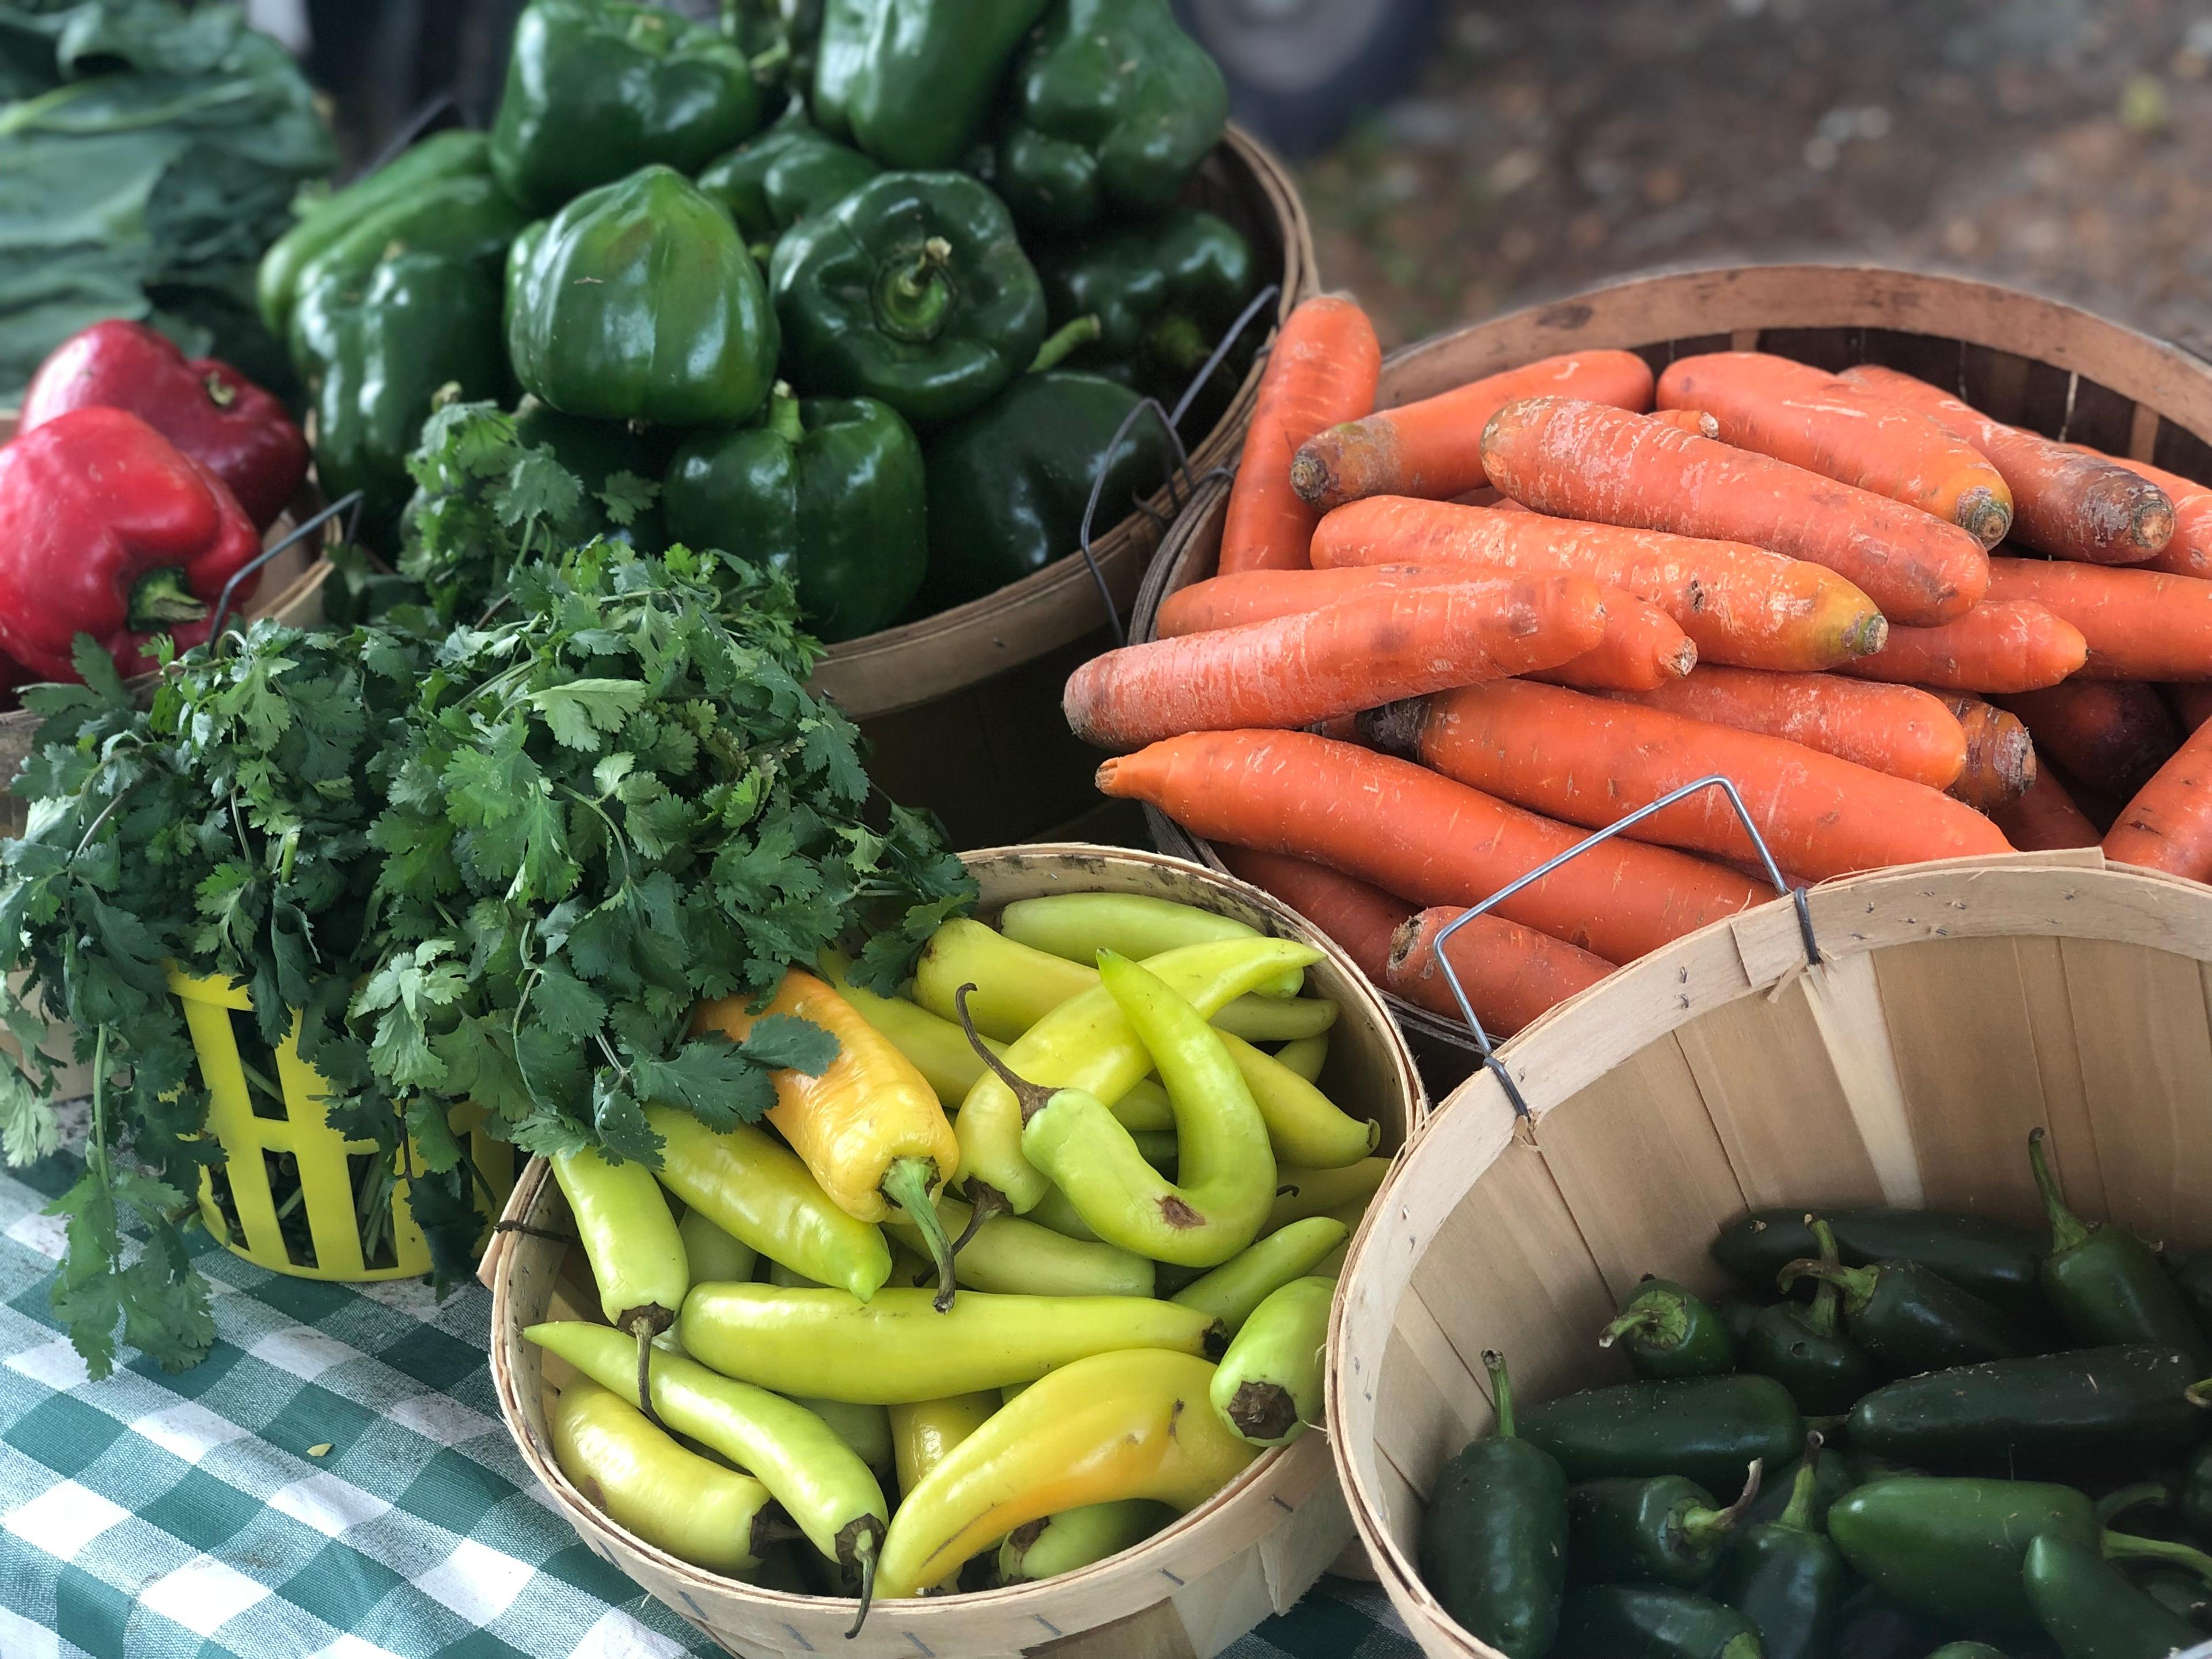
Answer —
(783, 413)
(1799, 1515)
(2067, 1229)
(907, 1184)
(864, 1555)
(1629, 1324)
(1032, 1097)
(161, 597)
(1823, 1316)
(1069, 339)
(1177, 345)
(2115, 1504)
(220, 391)
(1501, 1391)
(1857, 1284)
(914, 296)
(1700, 1525)
(2126, 1546)
(645, 1324)
(986, 1203)
(2199, 1393)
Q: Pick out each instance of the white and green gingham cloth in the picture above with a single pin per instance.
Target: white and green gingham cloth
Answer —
(333, 1480)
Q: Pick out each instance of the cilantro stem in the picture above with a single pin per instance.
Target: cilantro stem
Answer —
(621, 841)
(106, 812)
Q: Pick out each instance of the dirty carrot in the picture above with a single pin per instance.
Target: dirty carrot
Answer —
(1408, 831)
(2190, 552)
(2065, 502)
(1592, 760)
(2045, 818)
(2168, 826)
(1585, 461)
(2140, 625)
(1510, 974)
(1739, 604)
(1361, 919)
(1296, 670)
(1433, 448)
(1688, 420)
(1998, 645)
(2113, 735)
(1643, 646)
(1809, 418)
(1322, 371)
(2000, 757)
(1891, 728)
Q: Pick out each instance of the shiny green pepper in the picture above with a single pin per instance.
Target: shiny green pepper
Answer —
(910, 81)
(1114, 106)
(830, 489)
(638, 302)
(1008, 486)
(912, 289)
(596, 89)
(770, 182)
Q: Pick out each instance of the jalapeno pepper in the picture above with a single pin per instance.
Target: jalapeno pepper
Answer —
(1079, 926)
(1910, 1319)
(1669, 1331)
(2105, 1282)
(1651, 1622)
(756, 1190)
(869, 1127)
(2094, 1410)
(1800, 1348)
(1016, 1256)
(1662, 1530)
(1709, 1428)
(1232, 1291)
(2087, 1606)
(1268, 1386)
(880, 1353)
(1076, 1538)
(634, 1247)
(1952, 1549)
(1740, 1316)
(1993, 1260)
(1785, 1577)
(712, 1254)
(2182, 1594)
(674, 1499)
(824, 1487)
(1833, 1476)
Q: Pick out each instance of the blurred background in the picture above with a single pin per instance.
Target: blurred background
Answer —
(1461, 159)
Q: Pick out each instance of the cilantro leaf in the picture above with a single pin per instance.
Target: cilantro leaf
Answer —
(785, 1042)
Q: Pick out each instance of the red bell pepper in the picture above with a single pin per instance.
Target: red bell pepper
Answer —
(107, 528)
(205, 407)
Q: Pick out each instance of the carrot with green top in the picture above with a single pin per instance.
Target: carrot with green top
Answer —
(2000, 756)
(1741, 605)
(2168, 824)
(1581, 460)
(2140, 625)
(2065, 501)
(1409, 831)
(2045, 818)
(1998, 645)
(1294, 669)
(1510, 974)
(1321, 371)
(1433, 448)
(1890, 728)
(1361, 919)
(1809, 418)
(2110, 734)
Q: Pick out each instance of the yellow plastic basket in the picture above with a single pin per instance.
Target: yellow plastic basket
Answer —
(321, 1153)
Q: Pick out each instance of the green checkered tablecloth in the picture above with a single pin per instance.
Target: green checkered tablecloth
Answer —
(152, 1517)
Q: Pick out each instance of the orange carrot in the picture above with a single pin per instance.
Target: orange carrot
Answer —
(1294, 669)
(1688, 420)
(1998, 645)
(2192, 703)
(1363, 920)
(2045, 818)
(1510, 974)
(2000, 757)
(2112, 734)
(1891, 728)
(2168, 825)
(2140, 625)
(1740, 604)
(2065, 502)
(1585, 461)
(1807, 418)
(1406, 830)
(1642, 647)
(1323, 370)
(2190, 552)
(1592, 760)
(1433, 448)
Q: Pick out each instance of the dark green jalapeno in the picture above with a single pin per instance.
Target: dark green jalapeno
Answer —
(1669, 1331)
(1785, 1577)
(2106, 1284)
(1802, 1348)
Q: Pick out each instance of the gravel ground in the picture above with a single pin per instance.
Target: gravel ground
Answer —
(2061, 146)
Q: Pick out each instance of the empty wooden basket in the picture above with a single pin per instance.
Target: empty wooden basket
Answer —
(1956, 1007)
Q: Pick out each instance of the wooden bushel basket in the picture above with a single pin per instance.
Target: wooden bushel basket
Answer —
(1186, 1593)
(2029, 360)
(1957, 1005)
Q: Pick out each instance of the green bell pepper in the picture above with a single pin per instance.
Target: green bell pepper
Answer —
(910, 81)
(1114, 106)
(596, 452)
(794, 169)
(377, 356)
(830, 490)
(1164, 293)
(912, 289)
(1008, 485)
(638, 302)
(596, 89)
(432, 162)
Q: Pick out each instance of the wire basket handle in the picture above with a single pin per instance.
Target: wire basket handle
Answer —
(351, 500)
(1489, 1060)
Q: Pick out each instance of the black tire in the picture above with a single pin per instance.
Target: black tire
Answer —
(1300, 70)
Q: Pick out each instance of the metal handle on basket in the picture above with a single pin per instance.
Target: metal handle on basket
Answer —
(1489, 1060)
(351, 500)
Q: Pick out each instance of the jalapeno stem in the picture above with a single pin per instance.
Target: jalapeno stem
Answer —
(1823, 1316)
(1700, 1525)
(2067, 1229)
(914, 296)
(1501, 1391)
(1032, 1097)
(2126, 1546)
(2128, 1498)
(1799, 1514)
(907, 1184)
(1857, 1284)
(1070, 337)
